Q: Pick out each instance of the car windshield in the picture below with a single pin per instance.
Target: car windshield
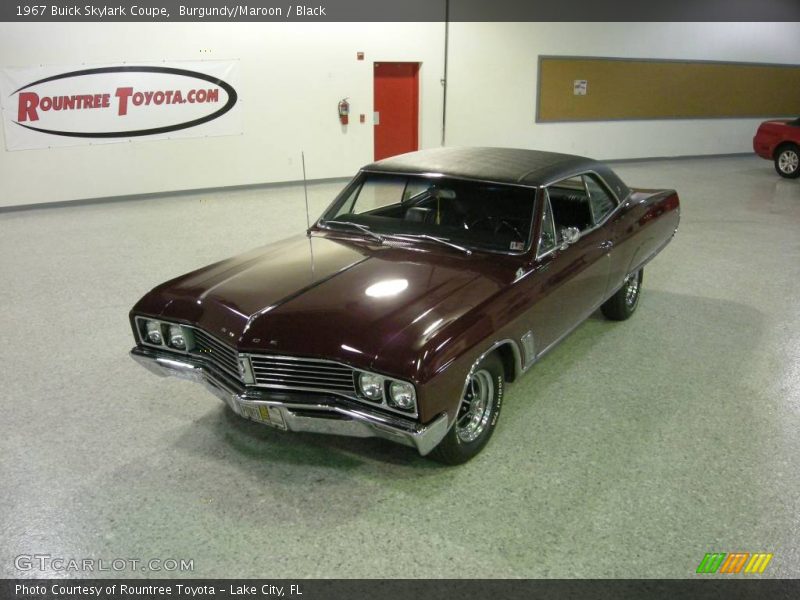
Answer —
(475, 215)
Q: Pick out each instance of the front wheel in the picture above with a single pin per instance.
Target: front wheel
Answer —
(477, 414)
(623, 304)
(787, 161)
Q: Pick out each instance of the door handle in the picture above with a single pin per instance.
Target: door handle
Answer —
(607, 245)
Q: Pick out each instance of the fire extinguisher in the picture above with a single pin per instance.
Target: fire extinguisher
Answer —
(344, 111)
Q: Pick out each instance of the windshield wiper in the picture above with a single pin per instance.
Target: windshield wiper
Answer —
(433, 238)
(359, 226)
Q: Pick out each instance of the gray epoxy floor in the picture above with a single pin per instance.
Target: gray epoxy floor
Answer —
(631, 450)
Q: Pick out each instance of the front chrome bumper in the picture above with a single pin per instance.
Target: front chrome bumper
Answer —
(316, 414)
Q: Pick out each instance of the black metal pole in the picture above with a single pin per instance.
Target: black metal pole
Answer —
(444, 79)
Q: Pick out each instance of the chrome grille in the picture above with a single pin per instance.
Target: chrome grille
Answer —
(223, 357)
(308, 374)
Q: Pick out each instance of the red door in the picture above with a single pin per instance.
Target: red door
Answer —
(397, 106)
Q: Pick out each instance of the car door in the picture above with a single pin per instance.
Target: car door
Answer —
(606, 215)
(567, 280)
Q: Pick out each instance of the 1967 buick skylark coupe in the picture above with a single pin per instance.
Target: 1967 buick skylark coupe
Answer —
(431, 280)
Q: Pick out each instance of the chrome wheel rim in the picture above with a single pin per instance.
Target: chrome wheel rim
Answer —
(476, 406)
(788, 161)
(632, 289)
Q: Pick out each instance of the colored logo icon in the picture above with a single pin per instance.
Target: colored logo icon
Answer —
(734, 562)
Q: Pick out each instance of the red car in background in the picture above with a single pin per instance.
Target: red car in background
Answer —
(779, 141)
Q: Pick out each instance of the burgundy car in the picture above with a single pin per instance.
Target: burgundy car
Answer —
(779, 141)
(432, 280)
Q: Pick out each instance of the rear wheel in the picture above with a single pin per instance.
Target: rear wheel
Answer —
(477, 414)
(623, 304)
(787, 161)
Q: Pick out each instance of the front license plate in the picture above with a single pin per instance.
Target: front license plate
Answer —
(263, 414)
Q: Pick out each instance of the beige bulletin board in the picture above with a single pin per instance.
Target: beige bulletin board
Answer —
(604, 89)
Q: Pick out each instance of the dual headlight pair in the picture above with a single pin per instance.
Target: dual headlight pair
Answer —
(159, 333)
(396, 394)
(399, 395)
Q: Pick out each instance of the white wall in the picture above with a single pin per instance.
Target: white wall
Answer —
(292, 77)
(293, 74)
(492, 71)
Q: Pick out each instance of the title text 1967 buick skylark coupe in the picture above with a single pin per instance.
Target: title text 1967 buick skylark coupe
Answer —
(431, 280)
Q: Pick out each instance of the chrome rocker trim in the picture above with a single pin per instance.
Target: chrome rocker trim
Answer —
(316, 414)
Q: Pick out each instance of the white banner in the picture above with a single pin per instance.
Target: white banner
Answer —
(62, 106)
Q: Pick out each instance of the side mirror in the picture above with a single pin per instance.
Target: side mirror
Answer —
(569, 235)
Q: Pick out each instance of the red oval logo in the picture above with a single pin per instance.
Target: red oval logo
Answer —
(137, 99)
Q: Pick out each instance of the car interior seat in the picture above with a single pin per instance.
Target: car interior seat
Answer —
(419, 214)
(570, 210)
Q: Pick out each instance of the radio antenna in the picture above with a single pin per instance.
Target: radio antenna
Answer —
(305, 188)
(308, 219)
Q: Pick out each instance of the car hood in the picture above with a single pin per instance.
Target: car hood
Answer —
(329, 298)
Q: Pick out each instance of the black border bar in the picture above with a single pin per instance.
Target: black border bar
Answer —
(699, 588)
(398, 10)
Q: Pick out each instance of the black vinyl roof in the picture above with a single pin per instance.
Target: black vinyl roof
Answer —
(499, 165)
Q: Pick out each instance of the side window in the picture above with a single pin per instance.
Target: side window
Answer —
(373, 195)
(415, 187)
(347, 205)
(570, 203)
(602, 200)
(547, 239)
(377, 194)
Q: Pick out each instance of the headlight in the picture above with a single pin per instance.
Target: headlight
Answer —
(391, 393)
(371, 386)
(160, 333)
(402, 395)
(153, 332)
(176, 338)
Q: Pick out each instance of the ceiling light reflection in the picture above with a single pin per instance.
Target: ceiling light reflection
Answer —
(386, 288)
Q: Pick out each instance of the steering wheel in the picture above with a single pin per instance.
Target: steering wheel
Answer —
(495, 225)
